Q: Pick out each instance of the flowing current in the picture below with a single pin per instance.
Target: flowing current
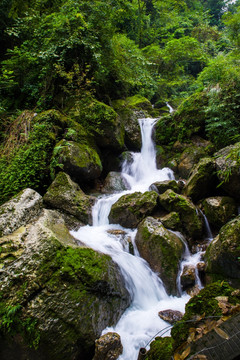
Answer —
(140, 322)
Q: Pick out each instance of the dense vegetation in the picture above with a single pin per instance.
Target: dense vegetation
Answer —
(54, 53)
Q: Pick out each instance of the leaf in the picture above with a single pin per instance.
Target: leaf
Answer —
(221, 333)
(186, 353)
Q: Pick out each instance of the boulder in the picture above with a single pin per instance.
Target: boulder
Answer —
(114, 182)
(188, 213)
(202, 180)
(20, 210)
(56, 297)
(189, 158)
(188, 277)
(162, 249)
(222, 255)
(66, 195)
(108, 347)
(130, 209)
(171, 221)
(170, 315)
(227, 167)
(163, 186)
(219, 210)
(79, 161)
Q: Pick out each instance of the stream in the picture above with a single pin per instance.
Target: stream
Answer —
(140, 322)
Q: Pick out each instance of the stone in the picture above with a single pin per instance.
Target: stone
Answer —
(130, 209)
(189, 158)
(21, 209)
(79, 161)
(227, 168)
(188, 277)
(223, 253)
(202, 180)
(170, 315)
(162, 249)
(163, 186)
(191, 220)
(65, 295)
(114, 182)
(219, 210)
(108, 347)
(66, 195)
(171, 221)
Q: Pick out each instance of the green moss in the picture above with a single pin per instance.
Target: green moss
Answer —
(203, 304)
(160, 348)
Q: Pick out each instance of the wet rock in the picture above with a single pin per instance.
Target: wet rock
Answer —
(189, 159)
(130, 209)
(114, 182)
(20, 210)
(170, 316)
(80, 161)
(188, 277)
(108, 347)
(64, 293)
(227, 167)
(171, 221)
(163, 186)
(189, 217)
(162, 249)
(202, 180)
(66, 195)
(219, 210)
(222, 255)
(193, 291)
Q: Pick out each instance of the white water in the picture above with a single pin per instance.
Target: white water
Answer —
(140, 322)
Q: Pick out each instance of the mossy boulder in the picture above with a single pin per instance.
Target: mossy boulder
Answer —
(24, 207)
(202, 305)
(188, 159)
(202, 180)
(130, 209)
(101, 121)
(219, 210)
(223, 253)
(162, 249)
(66, 195)
(160, 348)
(56, 297)
(227, 167)
(25, 160)
(162, 186)
(78, 160)
(191, 221)
(171, 221)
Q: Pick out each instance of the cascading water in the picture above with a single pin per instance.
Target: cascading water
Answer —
(140, 322)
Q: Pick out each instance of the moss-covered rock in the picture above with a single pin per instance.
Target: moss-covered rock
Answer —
(20, 210)
(130, 209)
(202, 180)
(200, 306)
(162, 249)
(160, 348)
(162, 186)
(189, 158)
(65, 195)
(223, 254)
(56, 298)
(114, 182)
(27, 163)
(219, 210)
(227, 167)
(190, 219)
(79, 160)
(101, 121)
(172, 221)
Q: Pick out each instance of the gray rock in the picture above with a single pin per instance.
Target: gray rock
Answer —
(65, 294)
(20, 210)
(162, 249)
(170, 316)
(163, 186)
(188, 277)
(66, 195)
(108, 347)
(189, 159)
(114, 182)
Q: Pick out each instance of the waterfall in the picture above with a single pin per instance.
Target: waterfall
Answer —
(140, 322)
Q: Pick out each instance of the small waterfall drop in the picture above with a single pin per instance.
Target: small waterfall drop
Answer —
(140, 322)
